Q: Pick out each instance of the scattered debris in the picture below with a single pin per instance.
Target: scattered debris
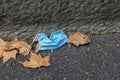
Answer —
(98, 46)
(9, 49)
(88, 49)
(87, 73)
(69, 45)
(118, 45)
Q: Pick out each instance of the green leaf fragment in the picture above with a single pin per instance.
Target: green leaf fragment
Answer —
(98, 46)
(69, 45)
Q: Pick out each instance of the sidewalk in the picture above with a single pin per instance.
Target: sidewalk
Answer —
(99, 60)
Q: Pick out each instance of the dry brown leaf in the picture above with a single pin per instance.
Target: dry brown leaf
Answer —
(9, 54)
(36, 61)
(3, 44)
(22, 46)
(78, 39)
(9, 49)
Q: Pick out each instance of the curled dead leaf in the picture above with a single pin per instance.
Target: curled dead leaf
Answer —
(4, 44)
(78, 39)
(22, 46)
(9, 49)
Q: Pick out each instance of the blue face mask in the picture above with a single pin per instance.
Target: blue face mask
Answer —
(56, 40)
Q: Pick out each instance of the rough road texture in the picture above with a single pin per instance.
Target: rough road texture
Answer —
(100, 62)
(49, 15)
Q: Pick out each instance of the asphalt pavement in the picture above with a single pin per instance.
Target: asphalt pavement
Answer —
(99, 60)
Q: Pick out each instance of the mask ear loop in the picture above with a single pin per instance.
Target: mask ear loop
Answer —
(31, 45)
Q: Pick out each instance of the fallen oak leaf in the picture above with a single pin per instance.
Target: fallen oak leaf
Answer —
(36, 61)
(78, 39)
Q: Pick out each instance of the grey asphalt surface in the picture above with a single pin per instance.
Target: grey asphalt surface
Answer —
(99, 60)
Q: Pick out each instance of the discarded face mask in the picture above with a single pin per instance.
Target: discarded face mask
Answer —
(56, 40)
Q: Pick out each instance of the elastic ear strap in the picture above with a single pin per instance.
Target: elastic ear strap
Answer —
(32, 41)
(31, 44)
